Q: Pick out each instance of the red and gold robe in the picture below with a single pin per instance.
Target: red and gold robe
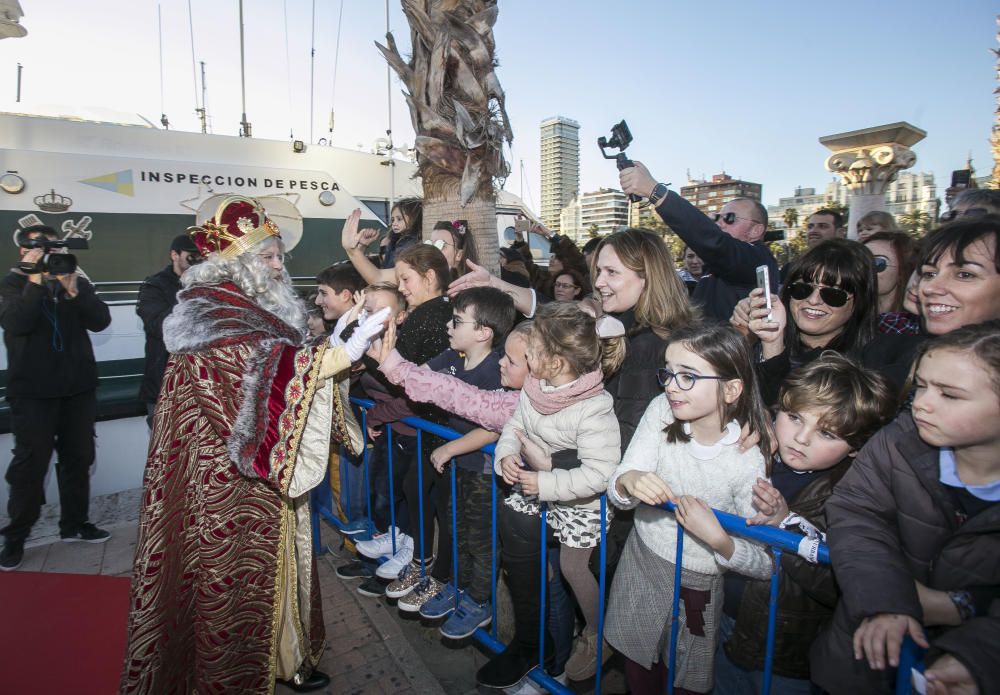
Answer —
(224, 590)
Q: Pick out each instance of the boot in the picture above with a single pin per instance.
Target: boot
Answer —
(508, 667)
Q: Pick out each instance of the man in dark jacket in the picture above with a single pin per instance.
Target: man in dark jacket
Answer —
(157, 297)
(731, 248)
(52, 387)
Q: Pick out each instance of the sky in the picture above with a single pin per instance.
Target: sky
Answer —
(742, 87)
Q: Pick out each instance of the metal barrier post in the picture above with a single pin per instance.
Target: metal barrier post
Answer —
(772, 613)
(601, 579)
(392, 497)
(545, 575)
(420, 501)
(910, 657)
(675, 610)
(365, 454)
(454, 531)
(493, 548)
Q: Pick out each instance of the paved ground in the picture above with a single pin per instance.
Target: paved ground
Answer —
(372, 649)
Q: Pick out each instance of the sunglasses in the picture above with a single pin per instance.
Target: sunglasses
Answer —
(731, 217)
(881, 263)
(685, 380)
(971, 212)
(831, 296)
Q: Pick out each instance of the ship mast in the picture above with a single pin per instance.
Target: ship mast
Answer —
(245, 127)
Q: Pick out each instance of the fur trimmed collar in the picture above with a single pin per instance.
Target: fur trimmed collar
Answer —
(217, 315)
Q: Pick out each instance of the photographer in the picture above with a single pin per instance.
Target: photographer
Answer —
(52, 384)
(157, 298)
(731, 248)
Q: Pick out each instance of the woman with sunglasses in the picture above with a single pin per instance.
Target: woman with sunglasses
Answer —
(895, 259)
(454, 240)
(829, 302)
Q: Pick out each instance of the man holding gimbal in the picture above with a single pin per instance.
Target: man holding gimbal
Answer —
(51, 389)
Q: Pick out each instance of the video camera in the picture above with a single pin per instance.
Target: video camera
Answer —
(621, 138)
(51, 263)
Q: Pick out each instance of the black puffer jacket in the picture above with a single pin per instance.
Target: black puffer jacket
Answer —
(634, 385)
(892, 523)
(49, 354)
(157, 298)
(807, 595)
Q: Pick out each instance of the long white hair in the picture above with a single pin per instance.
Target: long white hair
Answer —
(255, 279)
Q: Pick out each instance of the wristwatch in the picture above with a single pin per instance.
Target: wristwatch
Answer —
(658, 194)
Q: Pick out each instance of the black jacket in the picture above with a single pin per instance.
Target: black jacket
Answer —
(730, 264)
(807, 595)
(157, 298)
(893, 522)
(49, 354)
(634, 385)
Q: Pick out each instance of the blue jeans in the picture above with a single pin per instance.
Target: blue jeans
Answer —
(730, 679)
(353, 497)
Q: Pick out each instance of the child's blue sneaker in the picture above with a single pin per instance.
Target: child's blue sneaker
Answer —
(467, 618)
(440, 604)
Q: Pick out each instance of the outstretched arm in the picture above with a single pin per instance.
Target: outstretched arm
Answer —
(355, 242)
(524, 298)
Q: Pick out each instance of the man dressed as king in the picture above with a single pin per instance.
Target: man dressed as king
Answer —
(225, 597)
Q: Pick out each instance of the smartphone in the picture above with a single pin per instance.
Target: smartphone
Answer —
(764, 282)
(522, 225)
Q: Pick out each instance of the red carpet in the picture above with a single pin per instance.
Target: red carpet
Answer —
(61, 633)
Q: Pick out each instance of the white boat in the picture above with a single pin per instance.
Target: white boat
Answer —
(130, 187)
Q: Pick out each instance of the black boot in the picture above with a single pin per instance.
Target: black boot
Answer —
(508, 667)
(306, 681)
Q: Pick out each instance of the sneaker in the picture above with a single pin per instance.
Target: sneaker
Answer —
(11, 556)
(405, 582)
(373, 587)
(356, 569)
(467, 618)
(442, 603)
(582, 662)
(381, 544)
(526, 686)
(391, 568)
(424, 591)
(356, 528)
(87, 533)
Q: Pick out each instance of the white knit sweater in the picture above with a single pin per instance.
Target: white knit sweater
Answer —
(718, 474)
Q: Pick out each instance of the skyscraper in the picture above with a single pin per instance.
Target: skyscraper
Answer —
(560, 167)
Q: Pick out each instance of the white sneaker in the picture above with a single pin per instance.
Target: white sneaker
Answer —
(391, 568)
(381, 544)
(526, 686)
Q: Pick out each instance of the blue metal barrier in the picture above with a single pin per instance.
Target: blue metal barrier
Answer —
(778, 540)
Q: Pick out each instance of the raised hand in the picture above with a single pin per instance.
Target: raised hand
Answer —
(637, 179)
(770, 333)
(477, 276)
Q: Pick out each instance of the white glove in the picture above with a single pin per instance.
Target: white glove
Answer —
(342, 322)
(368, 327)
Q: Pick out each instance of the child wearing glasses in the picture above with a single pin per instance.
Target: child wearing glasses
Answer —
(828, 302)
(827, 411)
(686, 451)
(563, 406)
(481, 319)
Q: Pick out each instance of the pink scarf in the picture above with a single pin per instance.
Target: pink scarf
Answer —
(549, 402)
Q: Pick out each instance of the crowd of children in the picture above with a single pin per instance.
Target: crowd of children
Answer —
(885, 447)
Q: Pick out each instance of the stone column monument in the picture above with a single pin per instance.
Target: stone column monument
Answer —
(868, 160)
